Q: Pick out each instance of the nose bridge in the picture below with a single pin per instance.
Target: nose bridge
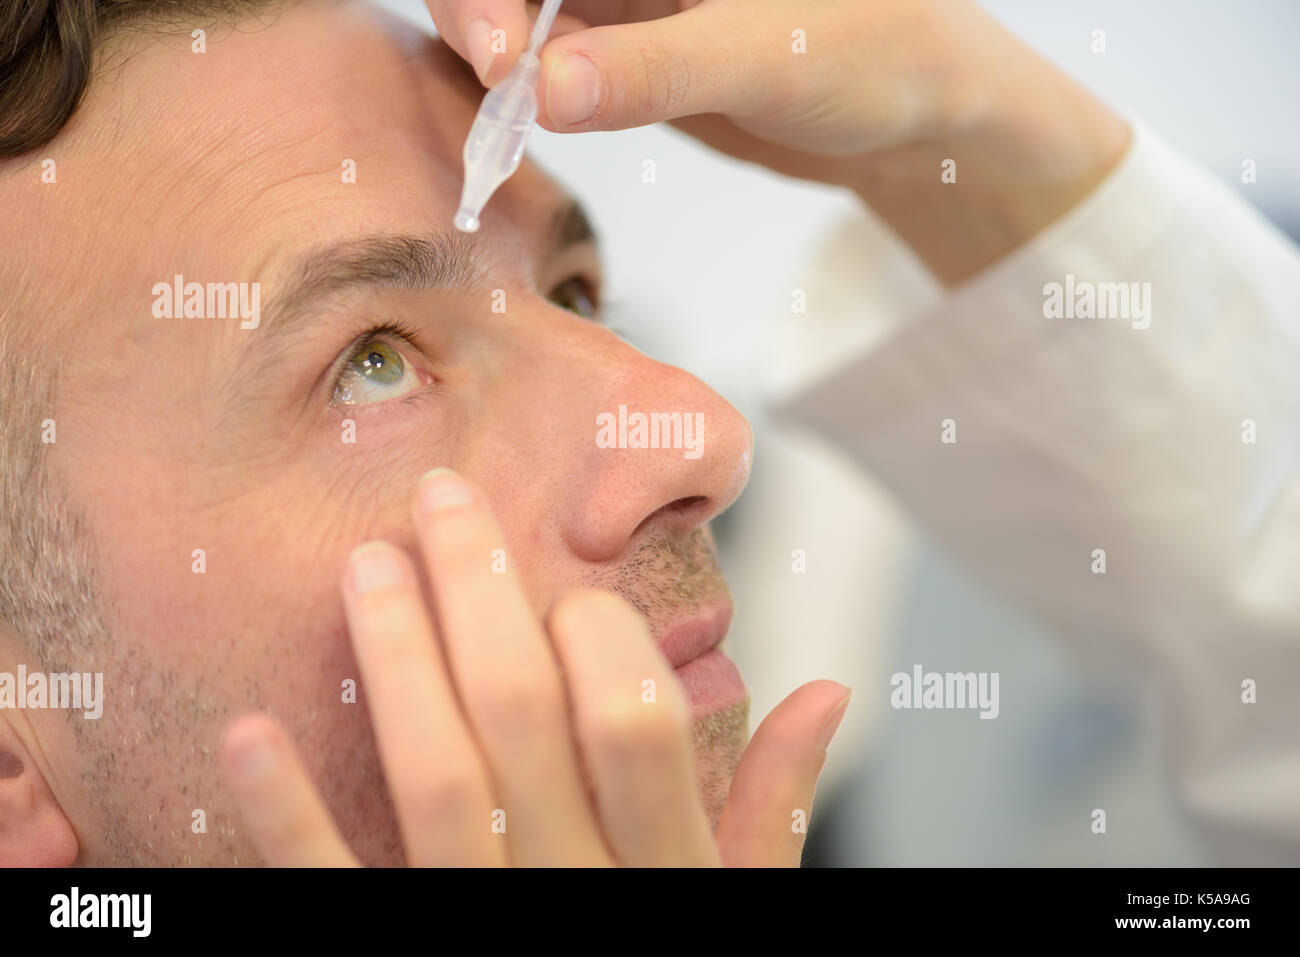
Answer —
(619, 437)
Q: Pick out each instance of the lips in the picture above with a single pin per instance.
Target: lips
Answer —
(709, 678)
(685, 641)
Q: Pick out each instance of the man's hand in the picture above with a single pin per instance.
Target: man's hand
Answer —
(875, 95)
(506, 743)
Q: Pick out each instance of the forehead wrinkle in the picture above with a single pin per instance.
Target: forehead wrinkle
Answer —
(230, 190)
(351, 110)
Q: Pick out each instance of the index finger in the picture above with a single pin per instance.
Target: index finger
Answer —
(488, 34)
(507, 676)
(284, 813)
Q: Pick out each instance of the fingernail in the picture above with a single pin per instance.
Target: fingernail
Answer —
(832, 722)
(253, 758)
(442, 489)
(478, 37)
(374, 565)
(572, 90)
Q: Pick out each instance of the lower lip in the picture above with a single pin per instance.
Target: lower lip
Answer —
(712, 683)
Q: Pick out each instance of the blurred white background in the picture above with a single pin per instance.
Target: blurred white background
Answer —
(701, 266)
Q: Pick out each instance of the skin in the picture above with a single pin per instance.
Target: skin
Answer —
(886, 92)
(177, 434)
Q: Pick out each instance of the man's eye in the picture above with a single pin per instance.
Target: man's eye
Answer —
(575, 295)
(375, 372)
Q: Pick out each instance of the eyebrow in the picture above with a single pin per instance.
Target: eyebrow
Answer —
(431, 261)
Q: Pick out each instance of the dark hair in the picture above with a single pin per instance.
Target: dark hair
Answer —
(47, 50)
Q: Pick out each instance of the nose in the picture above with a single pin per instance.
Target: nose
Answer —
(650, 448)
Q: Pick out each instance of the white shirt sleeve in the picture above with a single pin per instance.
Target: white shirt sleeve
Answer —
(1165, 433)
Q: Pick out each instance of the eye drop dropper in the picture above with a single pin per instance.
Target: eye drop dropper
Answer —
(496, 141)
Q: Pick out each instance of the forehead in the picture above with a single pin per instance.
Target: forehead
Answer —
(308, 124)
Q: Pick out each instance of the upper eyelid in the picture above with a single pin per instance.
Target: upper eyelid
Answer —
(370, 335)
(595, 288)
(581, 261)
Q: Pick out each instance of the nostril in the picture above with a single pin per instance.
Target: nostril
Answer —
(687, 504)
(10, 765)
(677, 507)
(690, 501)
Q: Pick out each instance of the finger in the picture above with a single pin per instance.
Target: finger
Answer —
(438, 781)
(765, 821)
(506, 676)
(488, 34)
(285, 816)
(632, 721)
(725, 136)
(624, 75)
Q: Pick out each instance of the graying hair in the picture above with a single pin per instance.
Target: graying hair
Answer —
(47, 573)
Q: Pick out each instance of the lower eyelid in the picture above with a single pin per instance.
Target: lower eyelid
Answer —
(381, 410)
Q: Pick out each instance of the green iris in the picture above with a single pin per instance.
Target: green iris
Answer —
(371, 374)
(377, 362)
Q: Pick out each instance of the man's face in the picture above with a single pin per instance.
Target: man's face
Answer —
(277, 449)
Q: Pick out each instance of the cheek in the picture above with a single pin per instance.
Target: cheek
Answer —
(312, 686)
(242, 603)
(306, 673)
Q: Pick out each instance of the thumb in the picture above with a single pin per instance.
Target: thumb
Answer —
(772, 791)
(623, 75)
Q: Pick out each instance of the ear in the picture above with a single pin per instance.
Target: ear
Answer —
(34, 832)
